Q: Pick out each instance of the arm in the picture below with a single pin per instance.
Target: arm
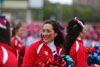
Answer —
(82, 59)
(30, 55)
(13, 44)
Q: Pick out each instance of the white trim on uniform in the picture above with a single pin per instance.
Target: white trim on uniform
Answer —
(17, 52)
(40, 46)
(16, 42)
(77, 46)
(60, 51)
(5, 55)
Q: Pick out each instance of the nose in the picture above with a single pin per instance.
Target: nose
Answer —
(44, 33)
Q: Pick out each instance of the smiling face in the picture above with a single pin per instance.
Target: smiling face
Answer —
(48, 34)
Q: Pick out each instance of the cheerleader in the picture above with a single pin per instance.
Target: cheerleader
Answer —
(7, 57)
(47, 47)
(17, 43)
(74, 43)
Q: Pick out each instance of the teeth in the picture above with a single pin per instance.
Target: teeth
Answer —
(46, 38)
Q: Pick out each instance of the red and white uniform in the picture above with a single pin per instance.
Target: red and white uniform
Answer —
(39, 52)
(7, 57)
(79, 54)
(17, 43)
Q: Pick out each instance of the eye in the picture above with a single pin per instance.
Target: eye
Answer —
(48, 31)
(43, 30)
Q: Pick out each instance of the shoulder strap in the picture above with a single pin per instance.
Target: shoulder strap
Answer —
(77, 46)
(5, 55)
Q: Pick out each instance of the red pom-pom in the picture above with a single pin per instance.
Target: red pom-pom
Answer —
(91, 49)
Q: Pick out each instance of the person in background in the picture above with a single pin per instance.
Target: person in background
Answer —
(74, 43)
(17, 43)
(7, 57)
(47, 47)
(34, 37)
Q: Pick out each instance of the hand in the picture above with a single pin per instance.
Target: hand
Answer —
(97, 65)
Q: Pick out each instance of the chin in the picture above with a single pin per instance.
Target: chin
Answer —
(45, 41)
(83, 38)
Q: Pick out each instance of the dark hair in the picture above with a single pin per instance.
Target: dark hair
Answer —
(73, 30)
(59, 39)
(5, 34)
(15, 29)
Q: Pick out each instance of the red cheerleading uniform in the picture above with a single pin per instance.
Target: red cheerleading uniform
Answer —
(17, 43)
(79, 54)
(7, 57)
(39, 52)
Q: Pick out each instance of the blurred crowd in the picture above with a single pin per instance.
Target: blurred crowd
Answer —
(92, 36)
(25, 42)
(32, 32)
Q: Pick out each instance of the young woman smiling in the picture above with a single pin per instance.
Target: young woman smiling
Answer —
(47, 47)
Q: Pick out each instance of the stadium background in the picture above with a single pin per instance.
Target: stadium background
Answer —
(32, 14)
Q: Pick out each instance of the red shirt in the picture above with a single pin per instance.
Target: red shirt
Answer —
(17, 43)
(79, 54)
(7, 57)
(37, 53)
